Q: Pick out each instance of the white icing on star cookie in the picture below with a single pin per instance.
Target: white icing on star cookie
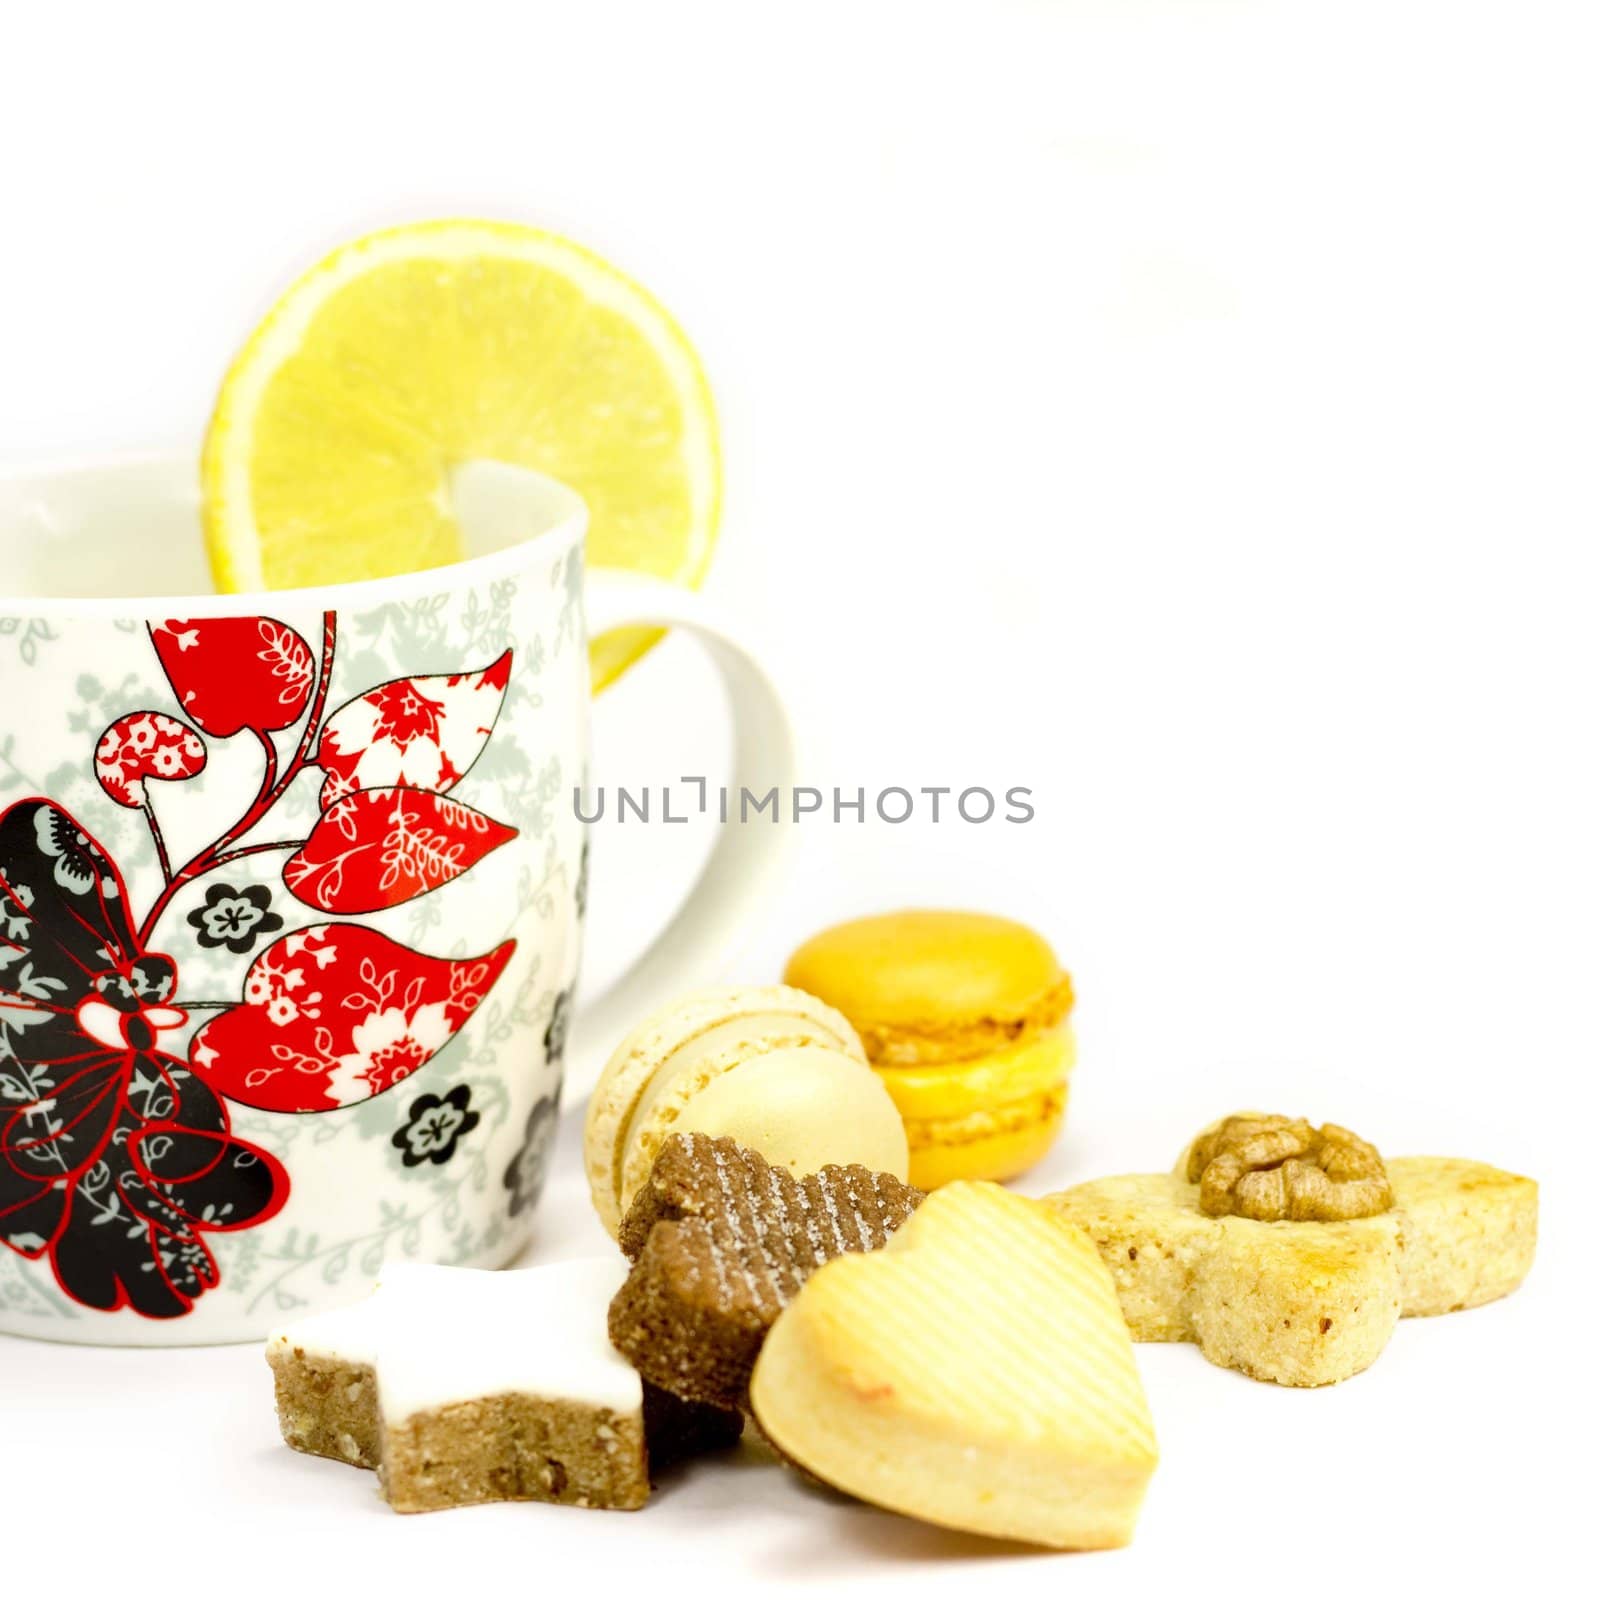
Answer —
(462, 1386)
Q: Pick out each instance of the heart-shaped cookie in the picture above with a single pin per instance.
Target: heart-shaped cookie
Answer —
(975, 1372)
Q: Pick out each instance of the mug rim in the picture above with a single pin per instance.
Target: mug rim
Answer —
(569, 525)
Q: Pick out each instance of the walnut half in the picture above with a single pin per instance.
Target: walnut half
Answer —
(1281, 1169)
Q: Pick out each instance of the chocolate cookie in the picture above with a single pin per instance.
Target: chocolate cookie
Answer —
(720, 1243)
(677, 1430)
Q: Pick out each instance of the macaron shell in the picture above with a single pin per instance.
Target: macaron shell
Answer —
(988, 1118)
(634, 1062)
(989, 1148)
(804, 1109)
(934, 985)
(957, 1089)
(691, 1069)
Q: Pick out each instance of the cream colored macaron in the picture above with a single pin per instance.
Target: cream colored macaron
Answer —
(772, 1067)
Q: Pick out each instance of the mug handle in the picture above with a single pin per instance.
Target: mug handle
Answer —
(743, 866)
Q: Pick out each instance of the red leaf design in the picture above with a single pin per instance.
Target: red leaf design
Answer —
(337, 1013)
(382, 847)
(420, 733)
(145, 744)
(231, 673)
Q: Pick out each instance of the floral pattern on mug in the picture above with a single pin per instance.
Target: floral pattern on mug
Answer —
(555, 1033)
(524, 1178)
(434, 1126)
(146, 745)
(234, 918)
(117, 1158)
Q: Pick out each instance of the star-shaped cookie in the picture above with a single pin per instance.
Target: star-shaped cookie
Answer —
(1303, 1302)
(461, 1387)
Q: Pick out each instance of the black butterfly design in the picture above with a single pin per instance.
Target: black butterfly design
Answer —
(116, 1159)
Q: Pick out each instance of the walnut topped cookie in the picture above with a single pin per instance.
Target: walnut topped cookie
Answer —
(1289, 1251)
(1281, 1169)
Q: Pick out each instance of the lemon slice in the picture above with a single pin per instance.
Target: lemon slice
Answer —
(413, 351)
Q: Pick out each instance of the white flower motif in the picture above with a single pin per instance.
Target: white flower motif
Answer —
(419, 733)
(141, 734)
(281, 1011)
(388, 1047)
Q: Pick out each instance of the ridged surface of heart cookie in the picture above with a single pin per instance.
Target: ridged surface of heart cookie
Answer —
(975, 1372)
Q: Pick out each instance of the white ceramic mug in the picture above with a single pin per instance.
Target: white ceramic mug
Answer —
(291, 895)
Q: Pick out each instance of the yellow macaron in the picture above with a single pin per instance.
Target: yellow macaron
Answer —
(963, 1017)
(774, 1068)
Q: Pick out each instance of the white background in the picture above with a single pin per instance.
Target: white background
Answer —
(1187, 411)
